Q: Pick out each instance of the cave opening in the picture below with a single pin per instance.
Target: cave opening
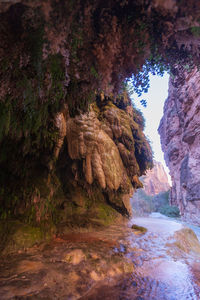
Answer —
(72, 147)
(154, 197)
(153, 109)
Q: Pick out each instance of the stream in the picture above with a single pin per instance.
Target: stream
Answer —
(162, 270)
(118, 263)
(167, 272)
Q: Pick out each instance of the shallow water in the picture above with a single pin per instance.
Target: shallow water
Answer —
(166, 265)
(195, 228)
(170, 277)
(159, 272)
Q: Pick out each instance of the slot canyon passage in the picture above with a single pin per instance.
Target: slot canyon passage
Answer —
(72, 149)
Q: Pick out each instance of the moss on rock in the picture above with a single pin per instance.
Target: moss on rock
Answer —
(16, 235)
(72, 146)
(187, 241)
(138, 229)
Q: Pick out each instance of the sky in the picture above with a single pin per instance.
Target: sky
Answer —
(156, 96)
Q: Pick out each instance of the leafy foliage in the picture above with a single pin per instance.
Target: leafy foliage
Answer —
(138, 117)
(140, 82)
(170, 211)
(145, 204)
(30, 118)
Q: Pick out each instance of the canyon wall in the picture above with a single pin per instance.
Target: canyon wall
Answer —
(154, 196)
(180, 137)
(155, 180)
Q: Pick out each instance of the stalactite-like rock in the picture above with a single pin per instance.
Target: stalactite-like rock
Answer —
(101, 159)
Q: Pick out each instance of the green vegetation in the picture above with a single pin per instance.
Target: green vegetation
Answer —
(195, 31)
(61, 66)
(79, 101)
(30, 118)
(106, 214)
(144, 204)
(16, 236)
(170, 211)
(94, 72)
(139, 229)
(28, 123)
(139, 83)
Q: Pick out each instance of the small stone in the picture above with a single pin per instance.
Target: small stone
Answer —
(73, 277)
(111, 273)
(75, 257)
(138, 229)
(94, 255)
(95, 276)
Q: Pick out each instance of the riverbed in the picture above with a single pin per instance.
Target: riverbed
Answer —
(167, 266)
(116, 263)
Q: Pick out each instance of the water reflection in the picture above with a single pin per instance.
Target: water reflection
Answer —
(160, 273)
(119, 263)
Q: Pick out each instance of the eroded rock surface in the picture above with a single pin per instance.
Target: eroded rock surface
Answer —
(71, 145)
(68, 267)
(156, 181)
(180, 137)
(89, 177)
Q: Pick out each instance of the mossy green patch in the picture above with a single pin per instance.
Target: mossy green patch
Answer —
(106, 214)
(56, 92)
(18, 236)
(94, 72)
(139, 229)
(195, 31)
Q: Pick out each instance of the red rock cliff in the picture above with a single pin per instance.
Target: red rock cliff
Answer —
(180, 137)
(155, 181)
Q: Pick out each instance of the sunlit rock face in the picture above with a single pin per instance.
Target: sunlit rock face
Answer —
(155, 181)
(108, 148)
(102, 161)
(180, 138)
(111, 145)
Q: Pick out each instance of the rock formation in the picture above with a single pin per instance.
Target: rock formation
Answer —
(87, 177)
(71, 144)
(180, 137)
(155, 181)
(154, 196)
